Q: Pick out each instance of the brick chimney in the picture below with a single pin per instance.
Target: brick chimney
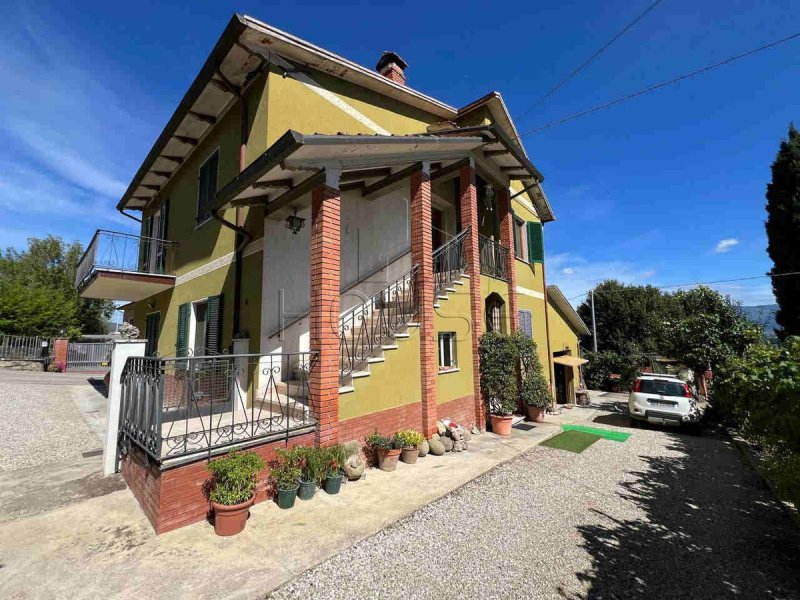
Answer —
(392, 67)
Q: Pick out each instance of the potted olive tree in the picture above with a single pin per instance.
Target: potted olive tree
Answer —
(534, 390)
(333, 460)
(386, 449)
(311, 471)
(285, 473)
(409, 442)
(498, 356)
(232, 489)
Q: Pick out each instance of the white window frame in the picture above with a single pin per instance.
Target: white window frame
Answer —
(199, 224)
(523, 238)
(190, 342)
(450, 336)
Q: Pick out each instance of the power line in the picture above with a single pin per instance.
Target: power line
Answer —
(597, 53)
(660, 85)
(681, 285)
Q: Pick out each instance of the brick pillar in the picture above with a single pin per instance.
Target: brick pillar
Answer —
(422, 255)
(469, 218)
(507, 240)
(323, 380)
(60, 353)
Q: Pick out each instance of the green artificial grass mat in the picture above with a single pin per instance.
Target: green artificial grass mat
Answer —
(616, 436)
(573, 441)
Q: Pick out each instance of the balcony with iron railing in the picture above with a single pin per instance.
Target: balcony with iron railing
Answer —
(122, 266)
(494, 258)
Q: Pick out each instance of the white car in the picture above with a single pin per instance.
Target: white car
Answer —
(663, 399)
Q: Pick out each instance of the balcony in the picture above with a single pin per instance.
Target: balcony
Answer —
(494, 258)
(121, 266)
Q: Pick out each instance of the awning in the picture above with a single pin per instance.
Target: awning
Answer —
(570, 361)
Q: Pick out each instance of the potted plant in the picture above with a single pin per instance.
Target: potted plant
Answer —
(285, 473)
(386, 450)
(498, 372)
(534, 391)
(232, 489)
(333, 460)
(409, 442)
(311, 471)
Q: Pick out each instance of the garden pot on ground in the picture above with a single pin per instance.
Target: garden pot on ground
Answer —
(230, 519)
(286, 498)
(410, 455)
(387, 459)
(501, 424)
(307, 490)
(536, 414)
(333, 484)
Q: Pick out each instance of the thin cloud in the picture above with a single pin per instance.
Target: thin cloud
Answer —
(725, 245)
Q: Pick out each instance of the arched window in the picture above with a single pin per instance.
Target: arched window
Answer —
(495, 313)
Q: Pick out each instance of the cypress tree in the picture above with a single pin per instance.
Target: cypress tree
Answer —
(783, 232)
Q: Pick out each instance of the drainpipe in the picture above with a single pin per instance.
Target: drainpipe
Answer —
(242, 237)
(547, 327)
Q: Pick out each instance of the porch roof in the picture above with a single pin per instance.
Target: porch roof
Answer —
(287, 171)
(557, 298)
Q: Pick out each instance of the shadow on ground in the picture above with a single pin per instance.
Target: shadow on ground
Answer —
(712, 530)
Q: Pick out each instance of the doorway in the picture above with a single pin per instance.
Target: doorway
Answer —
(560, 375)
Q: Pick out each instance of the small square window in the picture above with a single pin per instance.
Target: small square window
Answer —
(447, 351)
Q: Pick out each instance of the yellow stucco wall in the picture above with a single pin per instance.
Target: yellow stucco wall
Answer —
(453, 315)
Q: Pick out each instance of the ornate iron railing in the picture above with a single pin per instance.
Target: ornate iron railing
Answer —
(365, 328)
(449, 262)
(177, 407)
(494, 258)
(125, 253)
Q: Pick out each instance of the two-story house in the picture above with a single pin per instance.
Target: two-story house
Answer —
(321, 248)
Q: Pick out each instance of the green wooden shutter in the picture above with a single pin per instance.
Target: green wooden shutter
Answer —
(182, 343)
(535, 242)
(214, 324)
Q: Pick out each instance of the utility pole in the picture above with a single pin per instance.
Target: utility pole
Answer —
(594, 323)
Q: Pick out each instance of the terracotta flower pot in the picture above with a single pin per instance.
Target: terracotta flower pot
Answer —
(231, 519)
(410, 455)
(535, 414)
(387, 459)
(501, 425)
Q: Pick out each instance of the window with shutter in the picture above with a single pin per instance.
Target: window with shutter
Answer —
(182, 343)
(535, 242)
(214, 325)
(526, 322)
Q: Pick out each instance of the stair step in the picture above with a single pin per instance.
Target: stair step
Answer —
(346, 389)
(459, 282)
(377, 359)
(401, 336)
(443, 297)
(389, 347)
(412, 324)
(359, 374)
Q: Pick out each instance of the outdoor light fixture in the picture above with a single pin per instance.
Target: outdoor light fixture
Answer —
(295, 223)
(488, 198)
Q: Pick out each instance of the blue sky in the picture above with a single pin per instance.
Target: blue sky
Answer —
(666, 189)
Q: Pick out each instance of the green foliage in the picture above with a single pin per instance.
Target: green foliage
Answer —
(234, 477)
(38, 295)
(498, 359)
(783, 470)
(783, 232)
(333, 458)
(602, 364)
(377, 441)
(409, 438)
(534, 390)
(285, 469)
(311, 461)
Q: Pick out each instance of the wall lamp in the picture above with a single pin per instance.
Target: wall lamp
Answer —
(295, 223)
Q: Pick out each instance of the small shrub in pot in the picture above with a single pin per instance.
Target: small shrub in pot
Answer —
(498, 371)
(387, 450)
(311, 470)
(285, 473)
(534, 390)
(409, 441)
(333, 460)
(232, 489)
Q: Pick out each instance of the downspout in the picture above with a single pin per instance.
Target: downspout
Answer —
(547, 327)
(122, 211)
(242, 236)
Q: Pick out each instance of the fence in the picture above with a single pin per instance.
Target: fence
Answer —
(89, 356)
(494, 258)
(21, 347)
(177, 407)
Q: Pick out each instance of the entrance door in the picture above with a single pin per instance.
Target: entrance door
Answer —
(560, 374)
(151, 330)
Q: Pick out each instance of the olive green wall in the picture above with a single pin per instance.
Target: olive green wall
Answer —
(562, 337)
(454, 315)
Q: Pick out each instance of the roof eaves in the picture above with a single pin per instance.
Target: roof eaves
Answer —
(555, 294)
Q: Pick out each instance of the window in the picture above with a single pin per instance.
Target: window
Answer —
(200, 313)
(200, 327)
(495, 313)
(207, 187)
(526, 322)
(151, 332)
(520, 240)
(447, 351)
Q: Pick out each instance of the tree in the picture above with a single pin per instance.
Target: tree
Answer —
(38, 295)
(783, 232)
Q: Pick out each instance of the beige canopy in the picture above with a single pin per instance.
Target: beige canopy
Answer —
(570, 361)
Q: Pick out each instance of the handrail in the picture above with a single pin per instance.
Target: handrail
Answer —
(449, 262)
(493, 258)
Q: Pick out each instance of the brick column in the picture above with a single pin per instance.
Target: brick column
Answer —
(59, 354)
(323, 380)
(507, 240)
(469, 218)
(422, 255)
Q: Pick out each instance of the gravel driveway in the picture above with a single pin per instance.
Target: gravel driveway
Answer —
(663, 515)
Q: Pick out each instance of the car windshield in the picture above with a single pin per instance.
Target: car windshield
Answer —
(664, 387)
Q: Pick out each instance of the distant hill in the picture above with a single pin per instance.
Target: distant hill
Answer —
(764, 316)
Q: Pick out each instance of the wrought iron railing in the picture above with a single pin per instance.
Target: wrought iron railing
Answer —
(494, 258)
(449, 262)
(365, 328)
(23, 347)
(177, 407)
(124, 252)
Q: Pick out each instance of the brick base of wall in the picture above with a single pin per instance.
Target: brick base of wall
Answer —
(172, 498)
(460, 410)
(386, 422)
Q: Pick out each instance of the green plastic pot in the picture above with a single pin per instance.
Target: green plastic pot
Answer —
(333, 484)
(286, 498)
(307, 490)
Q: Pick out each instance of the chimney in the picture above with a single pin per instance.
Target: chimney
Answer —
(392, 67)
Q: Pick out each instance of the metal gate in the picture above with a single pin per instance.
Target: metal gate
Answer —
(89, 356)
